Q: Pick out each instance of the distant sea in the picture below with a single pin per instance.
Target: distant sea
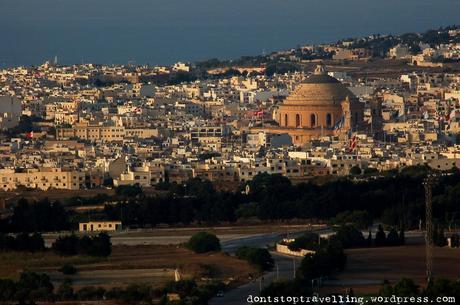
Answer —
(161, 32)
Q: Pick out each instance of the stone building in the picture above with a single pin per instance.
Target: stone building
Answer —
(319, 106)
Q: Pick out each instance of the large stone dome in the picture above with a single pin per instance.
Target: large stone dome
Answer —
(319, 89)
(319, 106)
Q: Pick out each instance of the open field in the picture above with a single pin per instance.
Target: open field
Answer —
(367, 268)
(132, 264)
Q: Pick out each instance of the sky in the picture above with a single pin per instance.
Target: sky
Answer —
(166, 31)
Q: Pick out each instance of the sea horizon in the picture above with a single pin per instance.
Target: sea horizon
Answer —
(164, 32)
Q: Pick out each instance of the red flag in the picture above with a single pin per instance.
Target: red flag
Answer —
(30, 135)
(353, 142)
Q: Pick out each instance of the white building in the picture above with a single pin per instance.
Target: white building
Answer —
(10, 112)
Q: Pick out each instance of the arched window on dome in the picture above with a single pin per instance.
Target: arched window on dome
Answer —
(297, 120)
(328, 120)
(286, 120)
(312, 120)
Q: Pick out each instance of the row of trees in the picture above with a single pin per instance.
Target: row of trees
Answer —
(407, 288)
(34, 287)
(349, 237)
(99, 245)
(40, 216)
(30, 287)
(22, 242)
(397, 199)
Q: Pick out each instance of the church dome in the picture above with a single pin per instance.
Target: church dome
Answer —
(319, 89)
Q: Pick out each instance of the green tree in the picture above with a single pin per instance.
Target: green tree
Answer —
(402, 237)
(65, 291)
(393, 238)
(256, 256)
(355, 170)
(380, 237)
(202, 242)
(406, 288)
(68, 269)
(308, 241)
(455, 241)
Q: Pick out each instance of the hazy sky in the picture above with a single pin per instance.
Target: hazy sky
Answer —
(165, 31)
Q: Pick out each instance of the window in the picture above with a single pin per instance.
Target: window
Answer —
(312, 120)
(328, 120)
(285, 120)
(297, 120)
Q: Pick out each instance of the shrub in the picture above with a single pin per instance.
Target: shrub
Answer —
(393, 238)
(99, 245)
(65, 290)
(455, 241)
(328, 260)
(258, 257)
(380, 237)
(68, 269)
(306, 241)
(349, 237)
(202, 242)
(90, 293)
(22, 242)
(359, 219)
(439, 239)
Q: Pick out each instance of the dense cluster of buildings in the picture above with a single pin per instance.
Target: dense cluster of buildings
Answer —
(89, 126)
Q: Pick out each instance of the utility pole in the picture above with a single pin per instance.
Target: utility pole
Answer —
(428, 183)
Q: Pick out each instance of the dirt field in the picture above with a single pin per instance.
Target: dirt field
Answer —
(367, 268)
(132, 264)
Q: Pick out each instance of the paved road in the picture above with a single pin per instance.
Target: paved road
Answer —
(154, 237)
(284, 270)
(285, 267)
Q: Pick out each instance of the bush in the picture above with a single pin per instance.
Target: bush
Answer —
(128, 190)
(380, 237)
(439, 239)
(68, 269)
(258, 257)
(33, 286)
(355, 170)
(349, 237)
(22, 242)
(325, 262)
(359, 219)
(90, 293)
(306, 241)
(455, 241)
(203, 242)
(393, 238)
(65, 290)
(99, 245)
